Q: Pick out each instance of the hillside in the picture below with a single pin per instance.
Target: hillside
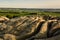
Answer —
(30, 28)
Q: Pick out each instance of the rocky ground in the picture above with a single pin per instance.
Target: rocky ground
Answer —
(30, 28)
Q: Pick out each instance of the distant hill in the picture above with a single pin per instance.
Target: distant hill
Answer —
(40, 9)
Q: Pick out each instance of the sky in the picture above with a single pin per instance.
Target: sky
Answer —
(30, 3)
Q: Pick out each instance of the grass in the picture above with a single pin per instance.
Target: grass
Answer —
(12, 14)
(51, 13)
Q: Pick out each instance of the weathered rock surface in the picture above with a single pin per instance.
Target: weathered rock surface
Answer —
(30, 28)
(3, 18)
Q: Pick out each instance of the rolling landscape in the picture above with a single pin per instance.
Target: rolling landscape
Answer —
(29, 24)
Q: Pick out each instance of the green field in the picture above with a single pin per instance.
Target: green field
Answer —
(17, 13)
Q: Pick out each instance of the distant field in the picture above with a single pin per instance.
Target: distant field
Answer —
(17, 13)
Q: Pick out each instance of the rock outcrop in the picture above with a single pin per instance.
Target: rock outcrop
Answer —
(29, 28)
(3, 18)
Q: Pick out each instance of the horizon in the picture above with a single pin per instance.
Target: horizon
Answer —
(26, 8)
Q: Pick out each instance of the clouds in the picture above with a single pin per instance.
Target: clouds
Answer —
(30, 3)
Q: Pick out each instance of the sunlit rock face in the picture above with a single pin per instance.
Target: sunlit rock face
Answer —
(30, 28)
(2, 18)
